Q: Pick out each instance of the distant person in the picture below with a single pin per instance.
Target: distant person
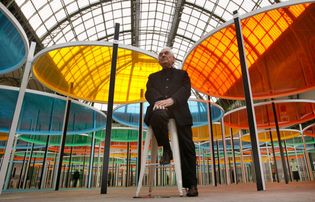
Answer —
(75, 178)
(167, 92)
(295, 170)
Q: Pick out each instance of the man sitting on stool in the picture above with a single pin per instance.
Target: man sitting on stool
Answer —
(167, 93)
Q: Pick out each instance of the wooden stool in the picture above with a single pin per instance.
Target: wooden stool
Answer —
(154, 148)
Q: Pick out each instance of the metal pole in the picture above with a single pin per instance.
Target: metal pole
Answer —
(68, 174)
(274, 156)
(8, 149)
(28, 167)
(63, 142)
(260, 181)
(127, 163)
(47, 143)
(9, 172)
(140, 138)
(307, 158)
(242, 157)
(110, 111)
(269, 163)
(98, 165)
(219, 167)
(287, 157)
(211, 141)
(234, 161)
(285, 170)
(21, 173)
(227, 176)
(91, 160)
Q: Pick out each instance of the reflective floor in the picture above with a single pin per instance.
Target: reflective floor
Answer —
(275, 192)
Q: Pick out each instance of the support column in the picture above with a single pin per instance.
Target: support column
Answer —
(285, 170)
(8, 149)
(140, 138)
(91, 160)
(211, 143)
(274, 157)
(234, 161)
(242, 158)
(63, 142)
(260, 181)
(227, 175)
(307, 157)
(110, 111)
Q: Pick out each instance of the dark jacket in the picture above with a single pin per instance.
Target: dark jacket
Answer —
(168, 83)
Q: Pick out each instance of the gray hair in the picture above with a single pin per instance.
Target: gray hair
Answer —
(169, 49)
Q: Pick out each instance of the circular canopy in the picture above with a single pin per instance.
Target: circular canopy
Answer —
(71, 140)
(13, 42)
(289, 112)
(309, 130)
(280, 49)
(82, 70)
(39, 110)
(202, 133)
(264, 136)
(129, 114)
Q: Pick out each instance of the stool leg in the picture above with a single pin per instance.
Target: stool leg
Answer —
(143, 159)
(176, 155)
(154, 149)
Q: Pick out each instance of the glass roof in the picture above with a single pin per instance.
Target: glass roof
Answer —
(148, 24)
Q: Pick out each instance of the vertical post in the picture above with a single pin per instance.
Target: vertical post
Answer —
(68, 174)
(285, 170)
(91, 159)
(98, 165)
(140, 138)
(46, 148)
(219, 167)
(269, 163)
(260, 181)
(234, 160)
(227, 176)
(90, 175)
(287, 158)
(307, 157)
(9, 172)
(127, 163)
(110, 111)
(274, 156)
(28, 167)
(8, 149)
(83, 170)
(63, 142)
(211, 141)
(242, 158)
(22, 168)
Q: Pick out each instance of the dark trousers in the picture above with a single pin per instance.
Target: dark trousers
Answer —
(158, 122)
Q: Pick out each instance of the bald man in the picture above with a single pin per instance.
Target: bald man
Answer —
(167, 93)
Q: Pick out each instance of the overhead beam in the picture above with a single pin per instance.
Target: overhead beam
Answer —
(176, 19)
(135, 19)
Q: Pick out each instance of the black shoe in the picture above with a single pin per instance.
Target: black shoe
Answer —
(166, 158)
(192, 191)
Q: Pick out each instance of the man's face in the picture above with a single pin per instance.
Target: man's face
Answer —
(166, 58)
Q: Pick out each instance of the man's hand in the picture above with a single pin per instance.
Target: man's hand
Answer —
(162, 104)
